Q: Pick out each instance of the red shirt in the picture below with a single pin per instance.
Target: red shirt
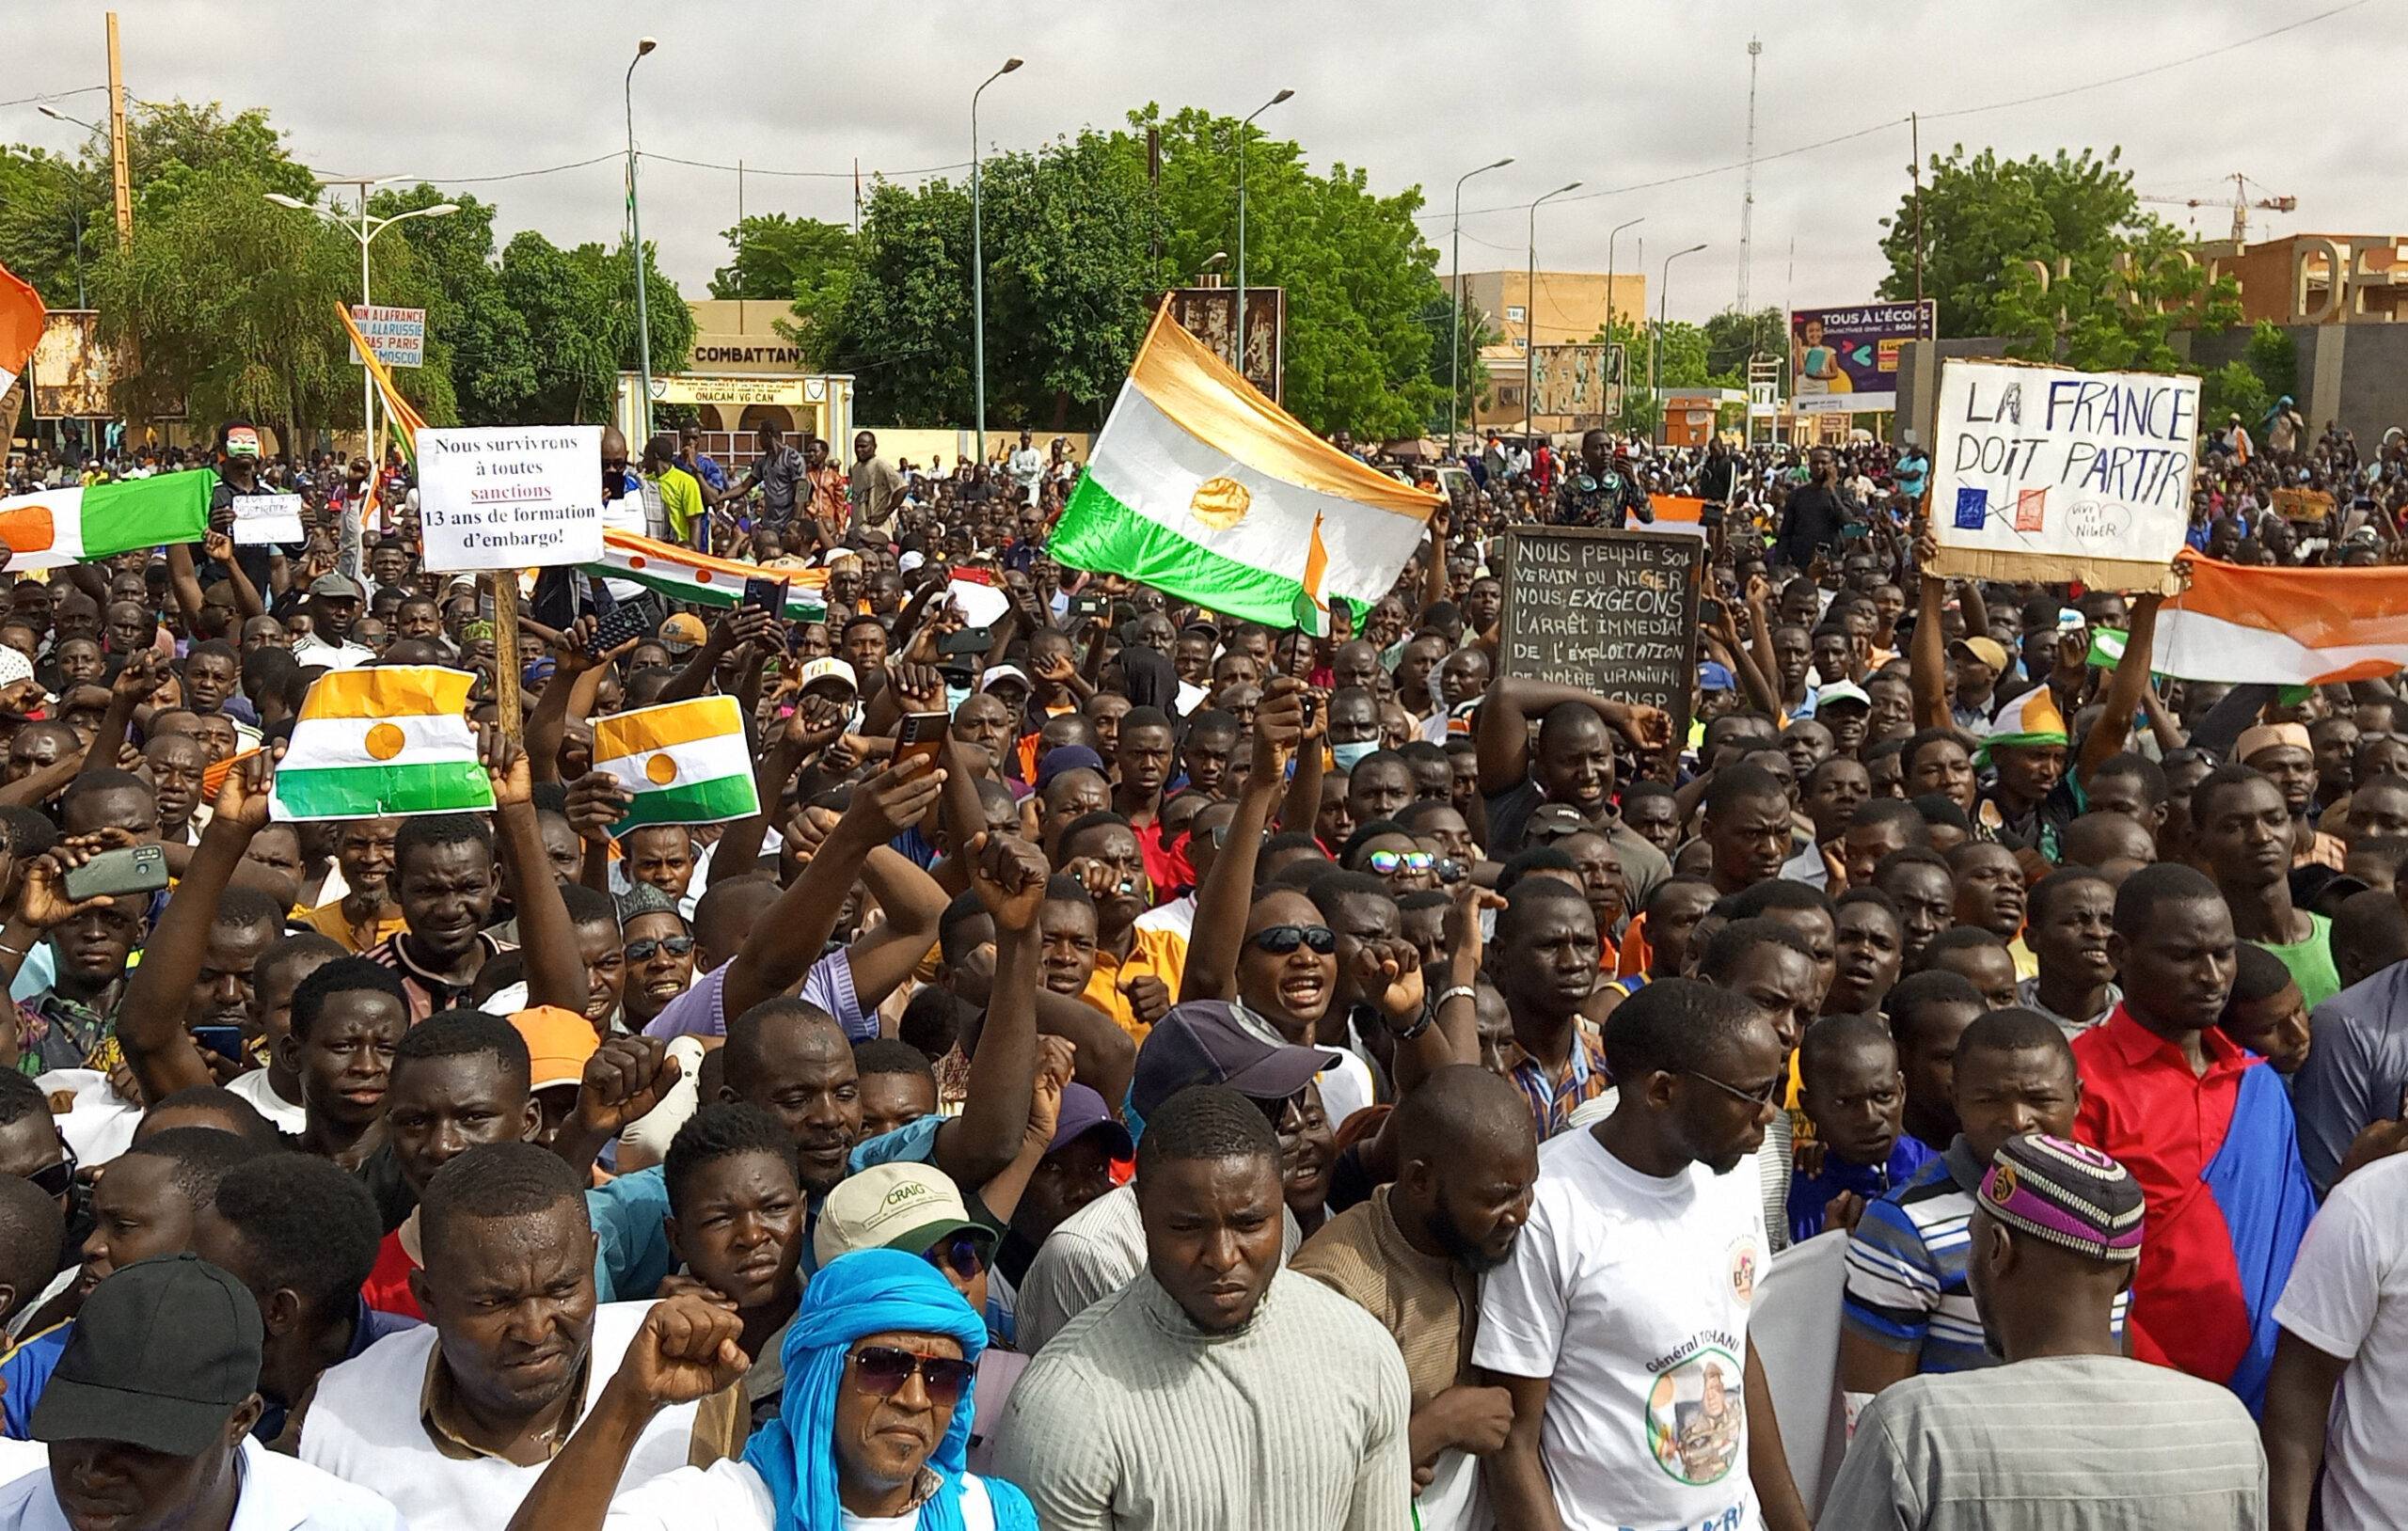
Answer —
(387, 1287)
(2142, 1105)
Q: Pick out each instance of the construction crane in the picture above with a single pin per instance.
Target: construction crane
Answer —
(2240, 204)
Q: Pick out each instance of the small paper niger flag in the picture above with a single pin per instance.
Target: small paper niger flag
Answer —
(684, 761)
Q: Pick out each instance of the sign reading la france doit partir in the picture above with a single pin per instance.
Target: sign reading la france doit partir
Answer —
(2048, 474)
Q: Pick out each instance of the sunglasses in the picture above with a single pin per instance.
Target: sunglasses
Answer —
(1387, 864)
(1769, 1095)
(963, 1253)
(1281, 939)
(883, 1369)
(54, 1180)
(644, 950)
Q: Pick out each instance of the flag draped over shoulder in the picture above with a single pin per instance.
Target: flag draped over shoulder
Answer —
(1202, 487)
(21, 321)
(53, 527)
(379, 741)
(683, 575)
(2283, 627)
(684, 761)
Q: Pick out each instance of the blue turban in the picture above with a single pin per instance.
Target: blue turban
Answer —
(871, 1292)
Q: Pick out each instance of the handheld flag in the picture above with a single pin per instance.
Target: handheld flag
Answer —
(683, 575)
(685, 762)
(1202, 487)
(381, 741)
(2283, 627)
(21, 321)
(53, 527)
(405, 420)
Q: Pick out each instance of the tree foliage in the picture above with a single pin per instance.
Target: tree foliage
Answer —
(781, 258)
(1984, 216)
(2111, 306)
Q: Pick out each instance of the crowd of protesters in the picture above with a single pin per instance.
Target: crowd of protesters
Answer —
(1238, 1078)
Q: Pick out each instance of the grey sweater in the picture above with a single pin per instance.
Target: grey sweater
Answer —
(1135, 1420)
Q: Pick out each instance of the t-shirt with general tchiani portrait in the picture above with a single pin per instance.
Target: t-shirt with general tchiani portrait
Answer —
(1631, 1292)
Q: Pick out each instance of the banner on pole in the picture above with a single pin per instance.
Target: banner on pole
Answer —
(397, 336)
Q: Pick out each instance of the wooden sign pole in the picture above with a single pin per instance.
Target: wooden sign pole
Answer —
(511, 715)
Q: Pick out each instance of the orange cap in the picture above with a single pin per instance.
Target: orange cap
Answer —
(558, 1043)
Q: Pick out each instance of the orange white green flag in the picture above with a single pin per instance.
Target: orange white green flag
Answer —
(1202, 487)
(2283, 627)
(382, 741)
(21, 321)
(682, 762)
(50, 528)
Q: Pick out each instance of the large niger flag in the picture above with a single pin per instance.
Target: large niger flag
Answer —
(685, 762)
(1205, 489)
(53, 527)
(380, 741)
(2283, 627)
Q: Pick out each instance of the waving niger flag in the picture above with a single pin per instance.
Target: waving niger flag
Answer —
(380, 741)
(2283, 627)
(53, 527)
(21, 318)
(685, 762)
(1205, 489)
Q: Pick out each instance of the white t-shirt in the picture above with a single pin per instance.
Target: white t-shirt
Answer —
(728, 1495)
(1632, 1294)
(275, 1491)
(284, 1115)
(2347, 1295)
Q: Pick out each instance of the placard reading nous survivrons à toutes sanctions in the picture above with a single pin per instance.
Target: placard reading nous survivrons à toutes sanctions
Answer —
(1615, 612)
(2041, 473)
(510, 496)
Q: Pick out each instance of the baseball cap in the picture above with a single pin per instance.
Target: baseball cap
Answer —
(162, 1353)
(829, 669)
(900, 1206)
(1062, 757)
(1083, 1112)
(2068, 1193)
(1001, 673)
(1984, 648)
(1557, 818)
(1715, 676)
(1839, 691)
(1201, 1043)
(336, 587)
(682, 632)
(558, 1043)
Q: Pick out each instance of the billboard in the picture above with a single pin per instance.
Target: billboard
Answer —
(1574, 381)
(1844, 361)
(397, 336)
(1208, 312)
(73, 372)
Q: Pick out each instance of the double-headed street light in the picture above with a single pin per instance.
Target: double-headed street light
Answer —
(978, 258)
(365, 231)
(1455, 337)
(1247, 122)
(635, 232)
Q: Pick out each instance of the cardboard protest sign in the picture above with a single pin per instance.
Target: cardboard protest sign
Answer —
(2049, 474)
(261, 519)
(510, 496)
(2303, 504)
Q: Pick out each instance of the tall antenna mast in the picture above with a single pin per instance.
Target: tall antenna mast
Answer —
(1748, 199)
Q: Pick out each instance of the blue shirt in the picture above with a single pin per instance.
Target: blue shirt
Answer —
(26, 1370)
(1809, 1193)
(631, 1253)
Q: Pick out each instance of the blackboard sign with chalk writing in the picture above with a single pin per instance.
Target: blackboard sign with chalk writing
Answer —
(1613, 611)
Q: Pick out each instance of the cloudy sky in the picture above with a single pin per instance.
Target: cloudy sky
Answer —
(1624, 97)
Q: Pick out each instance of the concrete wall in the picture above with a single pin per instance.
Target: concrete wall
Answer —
(1919, 378)
(2354, 373)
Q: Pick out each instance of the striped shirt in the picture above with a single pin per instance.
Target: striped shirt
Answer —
(1906, 1268)
(1552, 1096)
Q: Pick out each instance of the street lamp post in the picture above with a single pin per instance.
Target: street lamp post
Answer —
(1663, 306)
(1240, 327)
(978, 261)
(365, 231)
(1531, 315)
(75, 214)
(1611, 235)
(1455, 335)
(635, 232)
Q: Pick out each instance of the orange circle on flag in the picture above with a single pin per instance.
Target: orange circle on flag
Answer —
(660, 771)
(385, 741)
(701, 576)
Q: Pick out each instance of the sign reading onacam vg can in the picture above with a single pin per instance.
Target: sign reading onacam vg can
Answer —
(397, 336)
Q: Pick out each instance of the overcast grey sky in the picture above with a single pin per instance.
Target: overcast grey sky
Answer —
(1612, 95)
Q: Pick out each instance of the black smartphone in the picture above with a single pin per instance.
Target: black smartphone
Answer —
(116, 873)
(967, 640)
(922, 734)
(1083, 606)
(225, 1041)
(623, 621)
(766, 595)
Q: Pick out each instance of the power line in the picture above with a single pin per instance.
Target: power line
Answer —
(521, 175)
(751, 169)
(54, 95)
(1962, 111)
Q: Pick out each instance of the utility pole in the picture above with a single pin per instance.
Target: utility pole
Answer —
(122, 177)
(1914, 131)
(1747, 197)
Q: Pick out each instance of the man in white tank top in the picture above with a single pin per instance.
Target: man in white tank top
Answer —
(453, 1423)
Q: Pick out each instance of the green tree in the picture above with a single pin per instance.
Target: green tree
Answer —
(2112, 306)
(1733, 337)
(490, 351)
(56, 220)
(2233, 388)
(2273, 356)
(1984, 216)
(779, 259)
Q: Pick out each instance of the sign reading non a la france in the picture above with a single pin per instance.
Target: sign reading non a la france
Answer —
(397, 336)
